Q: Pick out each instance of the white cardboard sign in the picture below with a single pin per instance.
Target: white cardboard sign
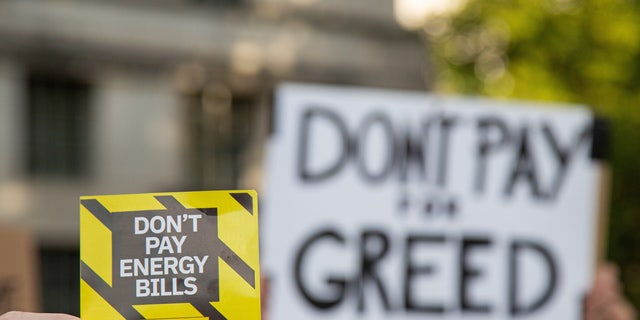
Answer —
(401, 205)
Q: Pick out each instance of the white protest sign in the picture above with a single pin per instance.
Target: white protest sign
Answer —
(400, 205)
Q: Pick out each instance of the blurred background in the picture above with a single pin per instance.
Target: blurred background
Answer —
(103, 97)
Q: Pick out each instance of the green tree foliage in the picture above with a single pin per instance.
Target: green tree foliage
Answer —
(558, 50)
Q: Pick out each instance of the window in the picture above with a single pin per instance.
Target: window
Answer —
(60, 280)
(220, 126)
(57, 126)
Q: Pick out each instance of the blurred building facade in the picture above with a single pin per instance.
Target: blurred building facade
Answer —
(103, 97)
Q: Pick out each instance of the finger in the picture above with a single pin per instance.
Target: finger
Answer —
(623, 311)
(16, 315)
(607, 276)
(615, 309)
(600, 298)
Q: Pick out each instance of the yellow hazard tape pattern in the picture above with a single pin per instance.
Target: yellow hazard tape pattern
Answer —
(246, 304)
(238, 229)
(168, 311)
(238, 300)
(94, 306)
(95, 245)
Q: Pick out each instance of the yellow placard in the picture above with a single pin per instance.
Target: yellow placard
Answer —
(180, 255)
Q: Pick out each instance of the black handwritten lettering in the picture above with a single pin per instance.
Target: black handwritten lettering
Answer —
(372, 246)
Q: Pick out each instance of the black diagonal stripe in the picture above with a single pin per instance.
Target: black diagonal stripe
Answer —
(208, 310)
(98, 210)
(174, 206)
(237, 264)
(106, 292)
(210, 211)
(171, 204)
(244, 199)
